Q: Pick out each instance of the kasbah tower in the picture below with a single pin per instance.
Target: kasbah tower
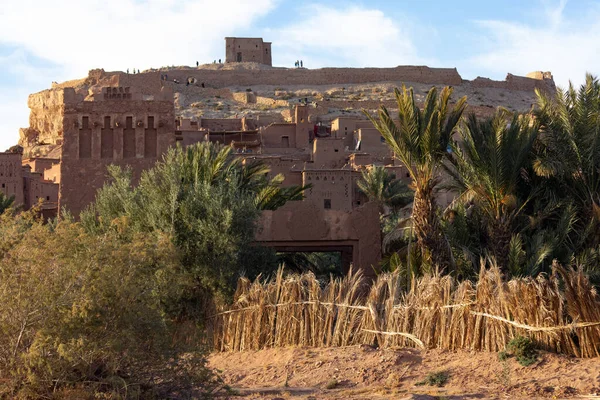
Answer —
(78, 128)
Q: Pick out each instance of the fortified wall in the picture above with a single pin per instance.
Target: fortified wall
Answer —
(150, 82)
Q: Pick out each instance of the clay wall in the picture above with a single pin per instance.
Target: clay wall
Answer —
(329, 153)
(11, 176)
(331, 189)
(122, 132)
(274, 103)
(372, 142)
(279, 136)
(287, 166)
(245, 97)
(52, 174)
(304, 126)
(188, 138)
(37, 189)
(514, 82)
(301, 225)
(149, 82)
(247, 141)
(268, 119)
(40, 164)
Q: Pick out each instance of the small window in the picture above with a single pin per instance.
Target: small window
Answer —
(327, 204)
(3, 185)
(48, 198)
(335, 150)
(358, 202)
(407, 175)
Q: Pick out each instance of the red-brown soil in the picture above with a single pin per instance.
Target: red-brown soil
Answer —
(363, 372)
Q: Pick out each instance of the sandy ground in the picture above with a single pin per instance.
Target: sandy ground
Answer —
(362, 372)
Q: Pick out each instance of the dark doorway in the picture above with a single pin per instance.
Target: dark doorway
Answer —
(239, 57)
(322, 264)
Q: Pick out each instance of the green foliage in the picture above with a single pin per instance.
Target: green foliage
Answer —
(523, 349)
(322, 264)
(5, 202)
(419, 140)
(438, 379)
(382, 187)
(81, 310)
(503, 356)
(208, 202)
(487, 169)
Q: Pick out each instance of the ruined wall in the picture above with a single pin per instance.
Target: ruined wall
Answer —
(514, 82)
(11, 176)
(98, 133)
(221, 124)
(274, 103)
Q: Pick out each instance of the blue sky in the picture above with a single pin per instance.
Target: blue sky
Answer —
(43, 41)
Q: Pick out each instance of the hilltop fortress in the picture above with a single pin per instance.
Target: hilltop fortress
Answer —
(306, 124)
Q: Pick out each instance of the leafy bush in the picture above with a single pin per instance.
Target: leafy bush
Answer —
(208, 203)
(85, 311)
(438, 379)
(523, 349)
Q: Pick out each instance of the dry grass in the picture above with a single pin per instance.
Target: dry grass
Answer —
(561, 313)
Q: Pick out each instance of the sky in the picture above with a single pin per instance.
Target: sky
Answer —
(43, 41)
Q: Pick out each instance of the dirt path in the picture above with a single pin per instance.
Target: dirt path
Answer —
(363, 372)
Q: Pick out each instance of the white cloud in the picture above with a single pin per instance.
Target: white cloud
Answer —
(567, 48)
(117, 34)
(75, 36)
(348, 37)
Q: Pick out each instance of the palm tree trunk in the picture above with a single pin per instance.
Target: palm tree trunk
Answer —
(428, 231)
(499, 242)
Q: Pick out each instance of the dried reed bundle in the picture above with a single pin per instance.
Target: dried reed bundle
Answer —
(561, 312)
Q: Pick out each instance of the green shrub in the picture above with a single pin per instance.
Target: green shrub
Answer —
(503, 356)
(438, 379)
(85, 312)
(523, 349)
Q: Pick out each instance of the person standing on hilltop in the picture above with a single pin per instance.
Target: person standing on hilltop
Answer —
(301, 64)
(197, 64)
(219, 61)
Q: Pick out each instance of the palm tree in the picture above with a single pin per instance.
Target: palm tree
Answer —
(5, 202)
(569, 152)
(487, 169)
(420, 141)
(383, 188)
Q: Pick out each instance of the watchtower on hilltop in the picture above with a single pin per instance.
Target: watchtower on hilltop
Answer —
(247, 50)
